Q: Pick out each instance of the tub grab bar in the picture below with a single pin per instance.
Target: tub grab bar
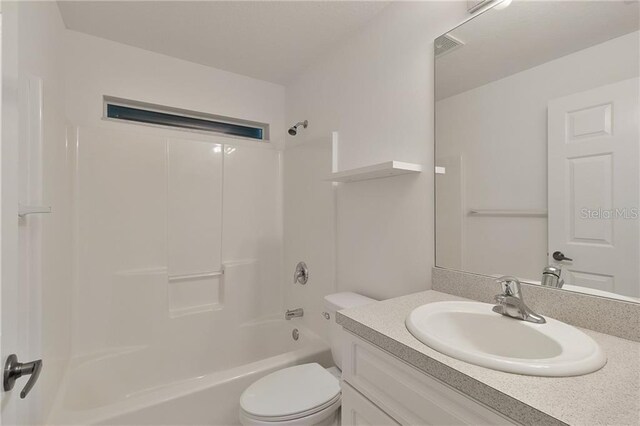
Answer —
(196, 276)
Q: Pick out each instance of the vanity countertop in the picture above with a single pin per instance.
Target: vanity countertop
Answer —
(609, 396)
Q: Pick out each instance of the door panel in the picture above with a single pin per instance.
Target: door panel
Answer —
(589, 122)
(590, 184)
(591, 280)
(594, 187)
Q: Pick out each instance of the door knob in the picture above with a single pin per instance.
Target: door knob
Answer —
(559, 256)
(13, 370)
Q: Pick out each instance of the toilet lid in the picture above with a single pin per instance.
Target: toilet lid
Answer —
(290, 391)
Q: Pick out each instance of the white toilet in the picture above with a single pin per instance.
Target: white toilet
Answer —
(306, 394)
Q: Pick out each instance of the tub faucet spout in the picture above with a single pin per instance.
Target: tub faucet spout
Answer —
(293, 313)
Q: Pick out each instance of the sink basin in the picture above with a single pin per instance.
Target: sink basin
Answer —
(472, 332)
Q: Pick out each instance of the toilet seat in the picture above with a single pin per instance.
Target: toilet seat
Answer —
(319, 413)
(291, 393)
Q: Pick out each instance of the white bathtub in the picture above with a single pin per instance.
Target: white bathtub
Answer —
(145, 386)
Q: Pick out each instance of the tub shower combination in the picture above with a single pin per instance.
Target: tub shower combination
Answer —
(178, 299)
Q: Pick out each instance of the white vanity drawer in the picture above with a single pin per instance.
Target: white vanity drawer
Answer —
(408, 395)
(359, 411)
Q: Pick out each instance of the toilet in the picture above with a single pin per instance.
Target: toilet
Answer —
(306, 394)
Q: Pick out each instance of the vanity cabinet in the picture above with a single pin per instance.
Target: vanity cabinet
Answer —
(380, 389)
(358, 410)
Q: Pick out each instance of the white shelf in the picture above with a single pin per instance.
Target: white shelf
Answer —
(513, 213)
(386, 169)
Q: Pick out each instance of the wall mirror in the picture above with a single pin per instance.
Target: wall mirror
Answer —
(538, 145)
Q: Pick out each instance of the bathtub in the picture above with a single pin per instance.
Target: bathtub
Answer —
(151, 386)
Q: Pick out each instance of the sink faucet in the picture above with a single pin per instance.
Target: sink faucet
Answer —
(510, 302)
(293, 313)
(551, 277)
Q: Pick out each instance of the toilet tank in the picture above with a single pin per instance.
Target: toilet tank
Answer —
(332, 304)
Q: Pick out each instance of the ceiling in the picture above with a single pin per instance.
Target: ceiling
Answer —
(503, 42)
(268, 40)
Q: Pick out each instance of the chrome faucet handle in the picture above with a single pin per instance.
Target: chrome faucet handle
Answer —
(510, 286)
(511, 304)
(301, 274)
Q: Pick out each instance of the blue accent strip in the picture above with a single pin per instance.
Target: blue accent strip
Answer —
(152, 117)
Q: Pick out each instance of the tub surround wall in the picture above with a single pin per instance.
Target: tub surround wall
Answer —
(528, 400)
(133, 270)
(609, 316)
(133, 283)
(156, 203)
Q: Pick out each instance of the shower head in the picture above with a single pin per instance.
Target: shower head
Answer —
(293, 130)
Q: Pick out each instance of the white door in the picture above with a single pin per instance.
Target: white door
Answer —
(20, 147)
(594, 187)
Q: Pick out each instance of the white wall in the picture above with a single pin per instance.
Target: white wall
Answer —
(376, 90)
(500, 131)
(309, 227)
(98, 67)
